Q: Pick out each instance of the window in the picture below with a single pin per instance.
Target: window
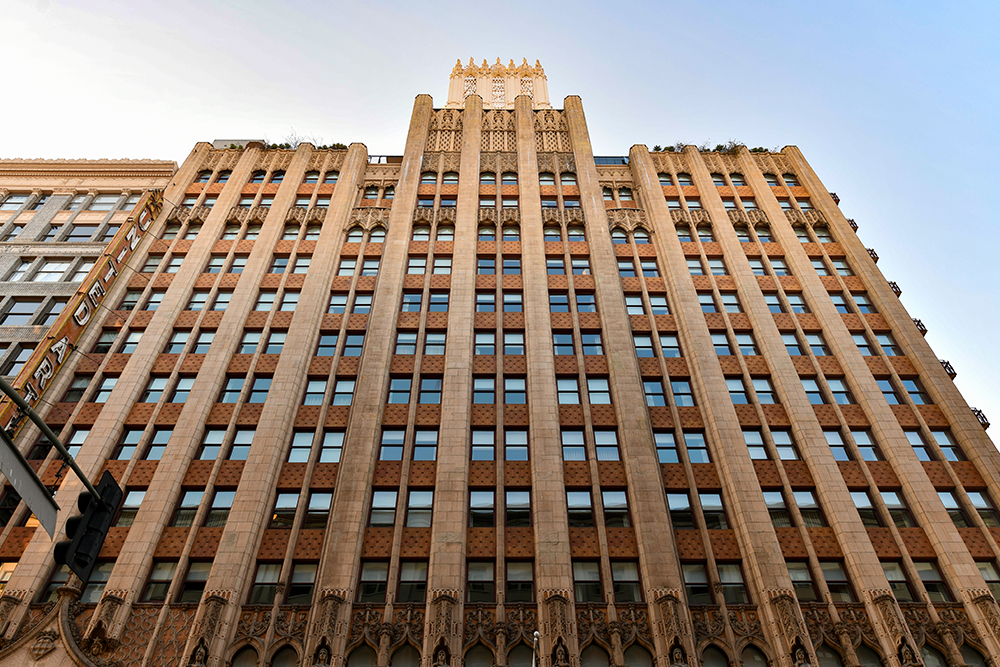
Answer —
(442, 266)
(154, 390)
(797, 303)
(707, 302)
(218, 513)
(182, 390)
(399, 391)
(283, 515)
(643, 346)
(483, 390)
(518, 508)
(866, 445)
(20, 311)
(839, 303)
(812, 515)
(331, 447)
(515, 445)
(572, 446)
(434, 343)
(654, 393)
(837, 446)
(353, 345)
(481, 509)
(670, 345)
(418, 509)
(775, 501)
(482, 445)
(817, 344)
(372, 586)
(231, 390)
(127, 445)
(392, 445)
(77, 388)
(301, 586)
(746, 344)
(383, 508)
(779, 266)
(569, 391)
(864, 347)
(211, 444)
(693, 203)
(265, 584)
(757, 267)
(430, 391)
(888, 345)
(813, 392)
(327, 346)
(242, 440)
(802, 581)
(159, 581)
(562, 344)
(733, 589)
(625, 577)
(50, 271)
(696, 584)
(514, 391)
(512, 302)
(301, 447)
(362, 303)
(104, 391)
(950, 448)
(863, 303)
(731, 302)
(198, 300)
(737, 391)
(412, 581)
(511, 266)
(251, 339)
(650, 271)
(954, 509)
(315, 390)
(713, 511)
(898, 511)
(24, 351)
(587, 582)
(898, 582)
(694, 267)
(130, 508)
(684, 232)
(915, 389)
(194, 583)
(721, 344)
(697, 448)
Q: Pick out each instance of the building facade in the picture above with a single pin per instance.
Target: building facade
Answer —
(498, 401)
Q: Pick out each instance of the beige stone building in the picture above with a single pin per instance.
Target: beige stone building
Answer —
(498, 401)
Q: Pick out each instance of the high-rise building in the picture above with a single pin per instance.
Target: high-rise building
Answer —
(498, 401)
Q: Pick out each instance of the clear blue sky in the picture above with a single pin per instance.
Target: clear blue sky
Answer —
(894, 104)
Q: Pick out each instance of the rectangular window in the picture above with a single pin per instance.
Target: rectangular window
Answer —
(515, 445)
(392, 445)
(480, 582)
(898, 582)
(331, 447)
(666, 447)
(159, 581)
(696, 585)
(372, 586)
(812, 515)
(265, 584)
(481, 510)
(514, 391)
(697, 448)
(154, 390)
(615, 509)
(418, 509)
(802, 581)
(518, 508)
(300, 588)
(580, 509)
(486, 302)
(218, 514)
(775, 501)
(572, 446)
(587, 582)
(327, 346)
(283, 515)
(383, 508)
(520, 582)
(194, 582)
(130, 508)
(353, 345)
(513, 343)
(625, 577)
(412, 581)
(898, 511)
(434, 343)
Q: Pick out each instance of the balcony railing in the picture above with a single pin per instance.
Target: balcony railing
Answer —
(920, 326)
(385, 159)
(895, 288)
(853, 224)
(611, 159)
(874, 255)
(981, 417)
(836, 199)
(948, 368)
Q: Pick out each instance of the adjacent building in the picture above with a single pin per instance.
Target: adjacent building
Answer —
(499, 401)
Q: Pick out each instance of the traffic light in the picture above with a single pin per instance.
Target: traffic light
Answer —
(86, 531)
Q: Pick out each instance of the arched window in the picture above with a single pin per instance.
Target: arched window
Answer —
(791, 180)
(827, 657)
(684, 179)
(763, 234)
(450, 178)
(972, 656)
(362, 656)
(371, 192)
(625, 194)
(224, 176)
(258, 176)
(737, 179)
(718, 179)
(311, 177)
(487, 233)
(421, 233)
(619, 237)
(245, 658)
(576, 234)
(932, 657)
(331, 177)
(637, 656)
(277, 177)
(705, 234)
(253, 231)
(520, 656)
(286, 657)
(823, 234)
(743, 234)
(355, 235)
(488, 178)
(594, 656)
(546, 178)
(377, 235)
(445, 233)
(405, 656)
(665, 179)
(511, 233)
(389, 192)
(713, 657)
(429, 177)
(509, 178)
(772, 180)
(609, 194)
(553, 233)
(867, 657)
(291, 233)
(231, 232)
(192, 231)
(752, 657)
(479, 656)
(567, 178)
(204, 176)
(641, 236)
(684, 233)
(802, 234)
(312, 232)
(171, 232)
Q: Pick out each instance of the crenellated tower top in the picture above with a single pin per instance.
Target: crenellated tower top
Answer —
(498, 84)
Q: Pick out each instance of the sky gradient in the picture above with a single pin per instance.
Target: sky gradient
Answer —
(894, 105)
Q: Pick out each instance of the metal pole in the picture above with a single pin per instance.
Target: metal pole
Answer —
(47, 432)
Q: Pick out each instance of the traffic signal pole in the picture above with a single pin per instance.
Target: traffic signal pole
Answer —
(47, 432)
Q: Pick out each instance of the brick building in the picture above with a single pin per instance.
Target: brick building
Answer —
(497, 393)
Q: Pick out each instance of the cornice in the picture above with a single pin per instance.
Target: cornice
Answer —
(87, 168)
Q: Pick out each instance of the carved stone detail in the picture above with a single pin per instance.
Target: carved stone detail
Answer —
(444, 131)
(291, 622)
(592, 624)
(44, 644)
(744, 619)
(557, 621)
(786, 610)
(521, 624)
(985, 603)
(691, 217)
(366, 624)
(259, 213)
(238, 214)
(296, 214)
(253, 622)
(368, 217)
(481, 625)
(708, 622)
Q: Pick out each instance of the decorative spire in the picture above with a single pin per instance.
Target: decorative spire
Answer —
(457, 69)
(498, 69)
